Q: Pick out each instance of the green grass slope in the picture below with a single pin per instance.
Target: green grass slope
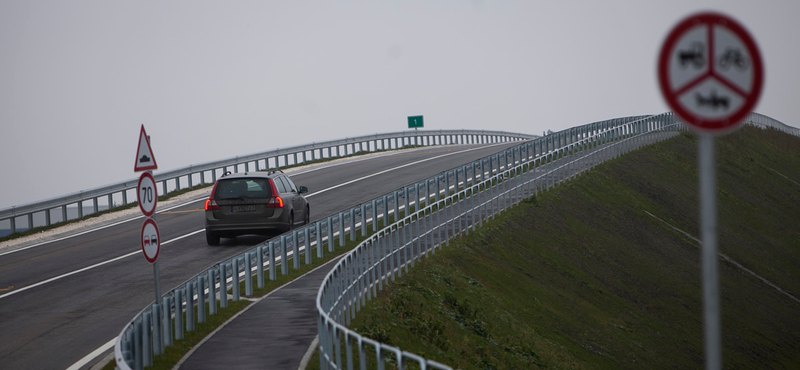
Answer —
(583, 278)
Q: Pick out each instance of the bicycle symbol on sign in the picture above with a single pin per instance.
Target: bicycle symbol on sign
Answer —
(733, 57)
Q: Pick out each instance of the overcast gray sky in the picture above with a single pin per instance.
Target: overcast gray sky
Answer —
(215, 79)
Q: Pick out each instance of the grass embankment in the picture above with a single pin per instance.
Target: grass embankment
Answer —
(582, 278)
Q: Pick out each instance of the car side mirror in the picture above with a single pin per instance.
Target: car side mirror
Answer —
(303, 189)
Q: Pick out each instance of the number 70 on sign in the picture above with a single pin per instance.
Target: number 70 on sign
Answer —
(146, 194)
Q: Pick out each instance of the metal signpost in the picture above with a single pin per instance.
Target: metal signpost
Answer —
(711, 74)
(150, 238)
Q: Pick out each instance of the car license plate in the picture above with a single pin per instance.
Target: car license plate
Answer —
(248, 208)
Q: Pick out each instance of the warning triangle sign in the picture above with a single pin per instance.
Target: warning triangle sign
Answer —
(145, 161)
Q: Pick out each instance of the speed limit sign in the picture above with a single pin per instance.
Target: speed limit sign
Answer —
(146, 194)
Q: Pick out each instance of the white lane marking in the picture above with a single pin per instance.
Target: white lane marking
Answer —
(99, 351)
(110, 343)
(397, 168)
(98, 228)
(201, 230)
(90, 267)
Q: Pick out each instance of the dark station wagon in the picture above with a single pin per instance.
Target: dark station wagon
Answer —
(260, 203)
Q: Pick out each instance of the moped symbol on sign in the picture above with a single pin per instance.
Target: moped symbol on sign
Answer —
(710, 72)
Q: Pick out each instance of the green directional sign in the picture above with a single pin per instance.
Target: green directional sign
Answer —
(415, 121)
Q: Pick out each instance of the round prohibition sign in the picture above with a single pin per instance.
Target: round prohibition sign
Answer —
(151, 240)
(710, 72)
(146, 194)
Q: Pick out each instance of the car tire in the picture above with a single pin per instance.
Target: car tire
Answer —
(212, 239)
(308, 216)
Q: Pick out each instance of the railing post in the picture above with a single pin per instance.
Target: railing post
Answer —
(260, 267)
(223, 284)
(235, 282)
(201, 299)
(179, 314)
(190, 306)
(284, 262)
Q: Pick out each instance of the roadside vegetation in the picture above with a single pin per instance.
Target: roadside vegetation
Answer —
(603, 272)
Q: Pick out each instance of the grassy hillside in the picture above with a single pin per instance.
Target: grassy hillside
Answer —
(583, 278)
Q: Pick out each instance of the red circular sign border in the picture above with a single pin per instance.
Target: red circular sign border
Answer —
(158, 235)
(155, 194)
(721, 125)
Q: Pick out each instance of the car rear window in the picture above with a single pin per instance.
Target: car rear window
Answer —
(243, 189)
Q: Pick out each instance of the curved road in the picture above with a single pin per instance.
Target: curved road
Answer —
(62, 300)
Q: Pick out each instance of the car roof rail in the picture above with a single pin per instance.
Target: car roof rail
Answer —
(271, 172)
(226, 173)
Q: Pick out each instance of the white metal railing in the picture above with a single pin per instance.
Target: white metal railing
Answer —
(123, 193)
(481, 189)
(360, 274)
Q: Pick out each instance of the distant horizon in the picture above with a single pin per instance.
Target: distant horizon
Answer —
(213, 80)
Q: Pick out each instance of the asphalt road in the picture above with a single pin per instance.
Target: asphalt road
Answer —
(54, 324)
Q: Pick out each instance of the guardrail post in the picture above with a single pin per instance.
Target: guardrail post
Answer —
(179, 314)
(158, 344)
(341, 229)
(284, 262)
(385, 210)
(408, 205)
(190, 291)
(329, 223)
(212, 292)
(272, 268)
(363, 220)
(201, 299)
(260, 261)
(167, 327)
(296, 249)
(223, 285)
(137, 345)
(147, 342)
(248, 274)
(235, 277)
(374, 215)
(352, 224)
(307, 241)
(319, 239)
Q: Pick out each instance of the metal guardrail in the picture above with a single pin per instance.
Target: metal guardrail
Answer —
(360, 274)
(482, 188)
(125, 191)
(141, 339)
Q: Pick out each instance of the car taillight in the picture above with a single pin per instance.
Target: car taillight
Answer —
(276, 202)
(211, 204)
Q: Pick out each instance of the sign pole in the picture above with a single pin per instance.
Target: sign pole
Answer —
(155, 264)
(150, 238)
(708, 229)
(711, 75)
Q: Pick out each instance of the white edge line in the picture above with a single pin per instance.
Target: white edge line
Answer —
(98, 228)
(198, 345)
(99, 351)
(310, 352)
(91, 267)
